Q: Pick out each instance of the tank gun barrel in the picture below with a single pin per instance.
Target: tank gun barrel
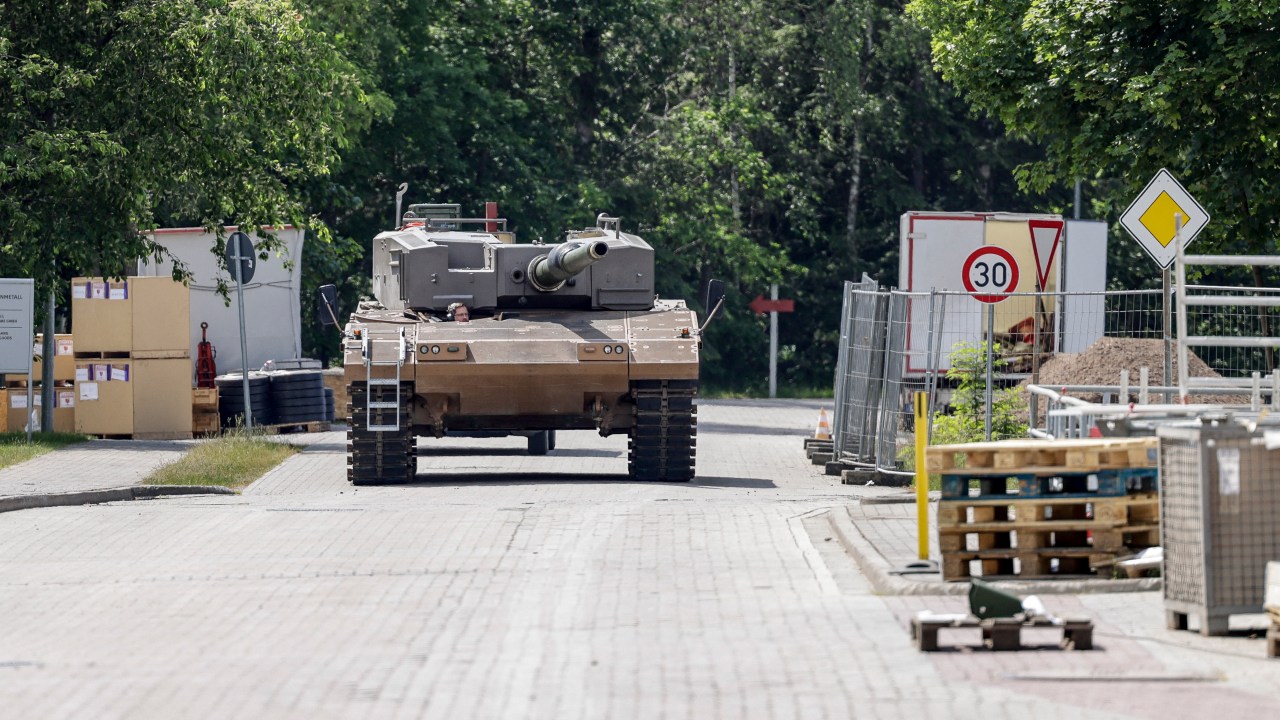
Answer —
(549, 272)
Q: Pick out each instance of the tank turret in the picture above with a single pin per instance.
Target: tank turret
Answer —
(438, 258)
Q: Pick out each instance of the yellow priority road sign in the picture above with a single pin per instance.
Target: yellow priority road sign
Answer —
(1151, 218)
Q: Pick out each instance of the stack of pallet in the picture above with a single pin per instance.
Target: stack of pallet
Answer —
(132, 357)
(1044, 508)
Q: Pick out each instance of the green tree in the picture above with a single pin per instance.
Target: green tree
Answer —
(123, 115)
(1119, 90)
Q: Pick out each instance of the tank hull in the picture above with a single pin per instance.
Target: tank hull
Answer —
(521, 373)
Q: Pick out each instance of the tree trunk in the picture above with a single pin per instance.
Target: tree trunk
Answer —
(585, 88)
(733, 169)
(855, 188)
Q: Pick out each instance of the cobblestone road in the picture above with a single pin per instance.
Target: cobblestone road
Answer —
(508, 586)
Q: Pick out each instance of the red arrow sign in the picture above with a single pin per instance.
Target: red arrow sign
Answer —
(761, 306)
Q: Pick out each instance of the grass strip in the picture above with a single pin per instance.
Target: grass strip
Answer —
(15, 449)
(233, 460)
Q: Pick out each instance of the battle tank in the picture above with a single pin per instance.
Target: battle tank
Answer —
(561, 336)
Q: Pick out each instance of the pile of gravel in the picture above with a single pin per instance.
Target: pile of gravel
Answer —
(1102, 362)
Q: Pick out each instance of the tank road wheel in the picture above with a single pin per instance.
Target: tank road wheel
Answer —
(663, 443)
(540, 442)
(380, 457)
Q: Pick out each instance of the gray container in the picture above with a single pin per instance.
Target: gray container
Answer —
(1219, 520)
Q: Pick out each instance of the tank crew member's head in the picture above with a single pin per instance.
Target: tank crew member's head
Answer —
(458, 312)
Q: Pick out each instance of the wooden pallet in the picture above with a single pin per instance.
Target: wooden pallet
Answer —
(178, 435)
(999, 564)
(1046, 483)
(1041, 455)
(1002, 633)
(1127, 539)
(102, 355)
(997, 513)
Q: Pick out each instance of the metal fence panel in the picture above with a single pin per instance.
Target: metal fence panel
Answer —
(862, 370)
(895, 343)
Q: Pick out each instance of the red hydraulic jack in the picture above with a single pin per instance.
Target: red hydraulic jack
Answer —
(206, 369)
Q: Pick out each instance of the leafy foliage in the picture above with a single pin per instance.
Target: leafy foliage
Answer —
(121, 116)
(1118, 90)
(967, 420)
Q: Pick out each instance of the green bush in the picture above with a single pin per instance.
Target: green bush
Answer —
(967, 421)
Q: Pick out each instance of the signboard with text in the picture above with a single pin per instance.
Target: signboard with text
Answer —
(17, 324)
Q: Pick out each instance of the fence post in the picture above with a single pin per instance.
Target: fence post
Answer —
(991, 332)
(922, 474)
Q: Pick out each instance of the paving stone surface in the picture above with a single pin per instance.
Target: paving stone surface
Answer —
(92, 465)
(507, 586)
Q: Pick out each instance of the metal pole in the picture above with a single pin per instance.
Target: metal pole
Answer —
(922, 474)
(49, 349)
(1167, 320)
(773, 344)
(238, 257)
(30, 401)
(991, 326)
(1179, 261)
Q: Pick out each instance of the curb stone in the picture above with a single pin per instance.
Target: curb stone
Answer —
(877, 570)
(95, 497)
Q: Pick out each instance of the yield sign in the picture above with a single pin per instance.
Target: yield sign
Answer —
(1045, 236)
(1152, 218)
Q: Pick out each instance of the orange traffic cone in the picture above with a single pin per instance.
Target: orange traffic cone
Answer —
(824, 428)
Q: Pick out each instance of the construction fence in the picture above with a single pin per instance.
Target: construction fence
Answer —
(895, 343)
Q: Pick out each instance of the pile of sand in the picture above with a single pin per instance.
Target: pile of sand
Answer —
(1102, 362)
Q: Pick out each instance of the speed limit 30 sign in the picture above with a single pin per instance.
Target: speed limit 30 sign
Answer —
(990, 274)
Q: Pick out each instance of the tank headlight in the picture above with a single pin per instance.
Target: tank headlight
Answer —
(424, 349)
(619, 350)
(607, 349)
(435, 349)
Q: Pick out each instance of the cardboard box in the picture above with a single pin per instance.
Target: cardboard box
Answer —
(103, 406)
(63, 414)
(64, 361)
(161, 397)
(161, 318)
(98, 322)
(148, 317)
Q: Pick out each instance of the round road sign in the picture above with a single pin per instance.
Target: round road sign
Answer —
(240, 257)
(990, 274)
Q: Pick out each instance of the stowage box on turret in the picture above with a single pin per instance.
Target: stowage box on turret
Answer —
(560, 336)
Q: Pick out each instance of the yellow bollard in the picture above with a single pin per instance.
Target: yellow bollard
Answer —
(922, 474)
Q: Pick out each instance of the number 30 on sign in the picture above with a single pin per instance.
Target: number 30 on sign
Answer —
(990, 274)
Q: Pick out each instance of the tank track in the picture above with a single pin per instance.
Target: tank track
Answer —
(663, 441)
(380, 458)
